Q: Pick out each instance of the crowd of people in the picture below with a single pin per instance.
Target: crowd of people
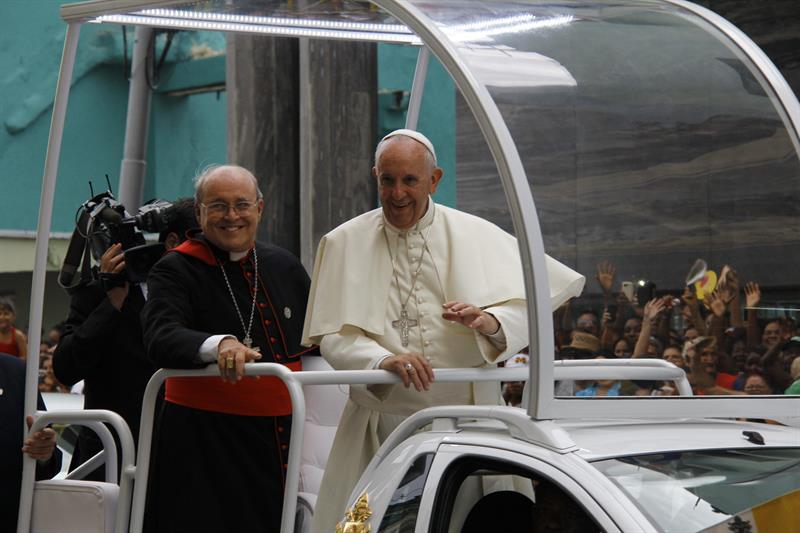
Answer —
(719, 340)
(385, 293)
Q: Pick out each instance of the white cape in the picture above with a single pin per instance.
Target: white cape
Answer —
(477, 262)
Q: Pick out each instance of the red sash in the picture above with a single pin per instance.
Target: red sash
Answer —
(266, 396)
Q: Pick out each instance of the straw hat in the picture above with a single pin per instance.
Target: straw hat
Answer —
(582, 344)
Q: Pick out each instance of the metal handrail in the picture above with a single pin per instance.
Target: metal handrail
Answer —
(93, 418)
(294, 382)
(107, 455)
(633, 369)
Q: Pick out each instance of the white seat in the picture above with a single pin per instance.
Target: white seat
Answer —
(324, 406)
(67, 506)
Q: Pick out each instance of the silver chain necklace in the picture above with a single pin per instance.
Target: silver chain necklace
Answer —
(247, 341)
(404, 324)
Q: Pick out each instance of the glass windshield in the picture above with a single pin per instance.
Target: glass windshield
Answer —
(690, 491)
(661, 166)
(661, 161)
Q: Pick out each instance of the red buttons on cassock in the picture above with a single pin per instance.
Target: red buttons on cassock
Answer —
(272, 339)
(280, 429)
(262, 305)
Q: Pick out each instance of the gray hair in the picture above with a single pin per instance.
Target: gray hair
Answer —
(200, 180)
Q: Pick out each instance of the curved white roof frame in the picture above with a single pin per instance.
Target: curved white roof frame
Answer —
(518, 196)
(542, 402)
(40, 262)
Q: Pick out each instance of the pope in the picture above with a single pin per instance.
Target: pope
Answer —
(407, 288)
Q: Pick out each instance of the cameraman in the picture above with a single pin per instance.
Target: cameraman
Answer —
(102, 340)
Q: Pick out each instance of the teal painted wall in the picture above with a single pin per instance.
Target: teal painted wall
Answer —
(396, 65)
(187, 132)
(176, 163)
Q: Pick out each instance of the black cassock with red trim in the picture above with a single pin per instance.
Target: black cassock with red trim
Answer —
(220, 455)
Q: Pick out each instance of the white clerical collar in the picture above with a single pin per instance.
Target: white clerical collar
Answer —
(424, 222)
(235, 256)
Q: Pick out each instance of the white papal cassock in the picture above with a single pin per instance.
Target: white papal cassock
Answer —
(355, 297)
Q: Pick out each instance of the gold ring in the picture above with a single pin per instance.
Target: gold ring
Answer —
(409, 368)
(230, 362)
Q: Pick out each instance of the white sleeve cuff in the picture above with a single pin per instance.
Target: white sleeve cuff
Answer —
(498, 338)
(210, 348)
(379, 361)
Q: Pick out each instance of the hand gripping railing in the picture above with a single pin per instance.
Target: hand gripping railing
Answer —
(94, 418)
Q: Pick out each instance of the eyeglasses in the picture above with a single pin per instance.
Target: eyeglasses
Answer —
(222, 208)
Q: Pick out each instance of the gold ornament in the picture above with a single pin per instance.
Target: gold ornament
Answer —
(355, 518)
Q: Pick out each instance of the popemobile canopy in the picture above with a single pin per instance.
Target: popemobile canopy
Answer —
(590, 104)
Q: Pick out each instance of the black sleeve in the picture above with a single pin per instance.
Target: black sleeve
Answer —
(88, 335)
(167, 316)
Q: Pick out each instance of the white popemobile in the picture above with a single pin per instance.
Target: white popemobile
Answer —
(618, 464)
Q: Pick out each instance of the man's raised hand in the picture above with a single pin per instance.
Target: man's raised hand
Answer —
(605, 276)
(471, 316)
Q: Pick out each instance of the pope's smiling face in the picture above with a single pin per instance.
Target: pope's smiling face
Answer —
(230, 209)
(406, 177)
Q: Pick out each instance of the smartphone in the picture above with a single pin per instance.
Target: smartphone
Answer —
(645, 291)
(627, 289)
(611, 309)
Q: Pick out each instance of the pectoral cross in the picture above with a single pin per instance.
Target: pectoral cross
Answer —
(404, 324)
(249, 343)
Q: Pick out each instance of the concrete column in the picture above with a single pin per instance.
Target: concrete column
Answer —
(341, 134)
(134, 159)
(304, 113)
(263, 119)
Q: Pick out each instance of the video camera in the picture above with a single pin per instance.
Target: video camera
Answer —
(101, 222)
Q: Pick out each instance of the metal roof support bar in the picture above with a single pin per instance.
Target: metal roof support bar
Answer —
(134, 159)
(417, 88)
(40, 263)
